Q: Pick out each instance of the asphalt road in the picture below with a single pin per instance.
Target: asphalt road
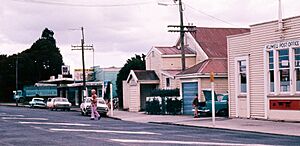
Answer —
(25, 126)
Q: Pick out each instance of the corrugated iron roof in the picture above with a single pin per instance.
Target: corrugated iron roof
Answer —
(145, 75)
(213, 41)
(173, 50)
(207, 66)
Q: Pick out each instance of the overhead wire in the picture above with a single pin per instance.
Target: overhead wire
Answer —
(82, 5)
(211, 16)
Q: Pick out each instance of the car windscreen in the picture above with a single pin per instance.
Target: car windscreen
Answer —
(38, 100)
(61, 99)
(101, 101)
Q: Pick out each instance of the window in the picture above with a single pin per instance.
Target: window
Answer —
(271, 71)
(168, 82)
(284, 70)
(242, 76)
(297, 67)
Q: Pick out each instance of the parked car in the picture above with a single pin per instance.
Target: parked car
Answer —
(221, 104)
(85, 106)
(37, 102)
(58, 103)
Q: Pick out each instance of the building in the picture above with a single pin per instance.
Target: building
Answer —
(72, 88)
(206, 51)
(210, 45)
(264, 71)
(137, 87)
(107, 75)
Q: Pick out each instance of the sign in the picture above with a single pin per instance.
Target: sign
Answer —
(78, 75)
(285, 104)
(65, 70)
(212, 77)
(284, 44)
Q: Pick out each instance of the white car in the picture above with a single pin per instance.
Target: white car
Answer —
(37, 102)
(85, 106)
(58, 103)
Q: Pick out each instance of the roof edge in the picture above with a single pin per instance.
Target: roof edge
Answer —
(262, 23)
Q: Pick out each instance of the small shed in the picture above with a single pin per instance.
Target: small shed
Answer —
(137, 87)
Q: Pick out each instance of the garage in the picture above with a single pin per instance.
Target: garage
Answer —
(189, 91)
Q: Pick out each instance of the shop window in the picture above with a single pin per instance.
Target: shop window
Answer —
(168, 82)
(297, 68)
(284, 70)
(271, 71)
(243, 76)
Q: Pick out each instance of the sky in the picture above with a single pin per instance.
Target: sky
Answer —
(119, 29)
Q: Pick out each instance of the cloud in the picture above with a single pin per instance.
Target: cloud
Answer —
(122, 31)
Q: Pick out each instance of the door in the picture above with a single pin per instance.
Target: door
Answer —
(189, 91)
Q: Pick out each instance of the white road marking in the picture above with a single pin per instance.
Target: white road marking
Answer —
(5, 115)
(105, 131)
(181, 142)
(61, 124)
(15, 118)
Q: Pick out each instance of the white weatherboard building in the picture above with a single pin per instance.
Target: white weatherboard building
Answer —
(264, 71)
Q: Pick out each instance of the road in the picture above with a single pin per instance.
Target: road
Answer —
(22, 126)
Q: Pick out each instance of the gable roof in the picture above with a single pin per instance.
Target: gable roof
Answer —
(207, 66)
(173, 50)
(213, 41)
(171, 72)
(145, 75)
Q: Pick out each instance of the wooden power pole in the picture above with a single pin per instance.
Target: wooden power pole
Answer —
(182, 31)
(82, 47)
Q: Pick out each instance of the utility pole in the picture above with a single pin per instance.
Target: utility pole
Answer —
(82, 48)
(17, 62)
(182, 31)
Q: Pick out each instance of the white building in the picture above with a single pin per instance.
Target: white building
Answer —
(264, 71)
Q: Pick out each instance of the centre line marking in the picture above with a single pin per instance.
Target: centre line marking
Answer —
(61, 124)
(11, 115)
(181, 142)
(15, 118)
(105, 131)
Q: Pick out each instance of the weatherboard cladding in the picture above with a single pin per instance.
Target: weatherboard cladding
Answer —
(261, 34)
(213, 41)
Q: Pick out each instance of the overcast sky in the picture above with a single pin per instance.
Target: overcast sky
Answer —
(119, 29)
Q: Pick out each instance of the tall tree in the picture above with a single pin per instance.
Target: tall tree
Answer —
(135, 63)
(41, 61)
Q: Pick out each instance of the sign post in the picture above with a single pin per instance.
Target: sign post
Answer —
(111, 101)
(212, 79)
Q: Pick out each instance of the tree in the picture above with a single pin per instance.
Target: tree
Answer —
(41, 61)
(135, 63)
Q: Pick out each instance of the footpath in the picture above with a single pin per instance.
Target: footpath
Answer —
(249, 125)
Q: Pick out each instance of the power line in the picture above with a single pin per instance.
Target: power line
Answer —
(82, 5)
(211, 16)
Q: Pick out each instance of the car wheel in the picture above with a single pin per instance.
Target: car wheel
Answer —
(68, 109)
(51, 109)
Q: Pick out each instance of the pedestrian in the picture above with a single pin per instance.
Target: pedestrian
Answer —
(195, 105)
(94, 111)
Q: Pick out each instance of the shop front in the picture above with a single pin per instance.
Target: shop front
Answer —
(264, 71)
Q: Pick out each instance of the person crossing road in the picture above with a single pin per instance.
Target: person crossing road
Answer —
(94, 112)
